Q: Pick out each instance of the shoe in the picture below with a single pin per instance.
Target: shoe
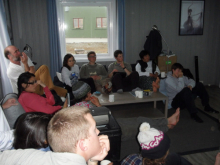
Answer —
(120, 91)
(195, 117)
(210, 109)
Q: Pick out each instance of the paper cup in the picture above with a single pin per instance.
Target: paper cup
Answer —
(163, 74)
(105, 162)
(111, 98)
(140, 94)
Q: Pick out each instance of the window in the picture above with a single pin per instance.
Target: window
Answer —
(101, 22)
(77, 23)
(98, 28)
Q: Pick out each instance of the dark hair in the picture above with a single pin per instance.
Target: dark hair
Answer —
(143, 53)
(176, 66)
(23, 78)
(117, 52)
(31, 130)
(65, 60)
(91, 52)
(146, 161)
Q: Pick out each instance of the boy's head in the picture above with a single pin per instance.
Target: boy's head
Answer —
(154, 143)
(81, 91)
(73, 130)
(176, 68)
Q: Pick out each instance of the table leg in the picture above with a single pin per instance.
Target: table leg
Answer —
(155, 104)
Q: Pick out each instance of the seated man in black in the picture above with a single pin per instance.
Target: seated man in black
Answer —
(182, 91)
(123, 79)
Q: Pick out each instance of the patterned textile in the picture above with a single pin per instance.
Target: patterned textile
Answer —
(133, 159)
(84, 104)
(146, 82)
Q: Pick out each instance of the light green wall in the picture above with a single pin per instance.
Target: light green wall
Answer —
(89, 15)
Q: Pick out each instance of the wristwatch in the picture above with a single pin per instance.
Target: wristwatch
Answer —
(124, 67)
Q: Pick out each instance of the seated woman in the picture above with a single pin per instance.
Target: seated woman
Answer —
(148, 71)
(154, 149)
(31, 131)
(32, 102)
(70, 74)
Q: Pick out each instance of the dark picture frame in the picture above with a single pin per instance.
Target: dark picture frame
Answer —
(191, 17)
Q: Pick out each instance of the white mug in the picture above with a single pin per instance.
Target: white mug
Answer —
(163, 74)
(105, 162)
(139, 94)
(111, 98)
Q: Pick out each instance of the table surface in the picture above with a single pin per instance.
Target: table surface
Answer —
(127, 98)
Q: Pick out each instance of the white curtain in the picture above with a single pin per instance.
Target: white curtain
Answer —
(4, 42)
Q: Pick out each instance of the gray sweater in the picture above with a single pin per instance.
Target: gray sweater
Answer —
(115, 65)
(175, 85)
(88, 70)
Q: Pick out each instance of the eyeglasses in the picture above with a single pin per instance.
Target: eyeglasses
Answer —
(92, 56)
(32, 83)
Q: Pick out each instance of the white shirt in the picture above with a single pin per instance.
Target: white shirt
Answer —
(148, 70)
(6, 135)
(14, 72)
(65, 73)
(37, 157)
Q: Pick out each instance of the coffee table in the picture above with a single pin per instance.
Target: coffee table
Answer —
(127, 98)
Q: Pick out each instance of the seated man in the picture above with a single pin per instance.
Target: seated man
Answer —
(73, 136)
(148, 71)
(95, 71)
(182, 91)
(123, 79)
(20, 63)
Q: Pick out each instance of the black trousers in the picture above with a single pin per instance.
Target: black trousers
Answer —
(89, 81)
(185, 98)
(127, 83)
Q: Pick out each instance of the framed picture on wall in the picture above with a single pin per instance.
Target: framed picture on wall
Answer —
(191, 17)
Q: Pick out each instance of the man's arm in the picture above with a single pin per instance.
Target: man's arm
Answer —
(27, 63)
(127, 68)
(83, 73)
(173, 86)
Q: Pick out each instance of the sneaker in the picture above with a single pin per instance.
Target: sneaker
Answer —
(210, 109)
(195, 117)
(120, 91)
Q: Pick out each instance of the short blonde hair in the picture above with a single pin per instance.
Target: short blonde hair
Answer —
(67, 127)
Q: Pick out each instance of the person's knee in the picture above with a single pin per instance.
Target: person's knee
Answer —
(186, 92)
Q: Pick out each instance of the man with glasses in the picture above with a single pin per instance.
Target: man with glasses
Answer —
(20, 63)
(97, 72)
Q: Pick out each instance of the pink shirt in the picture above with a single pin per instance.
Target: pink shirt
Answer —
(32, 102)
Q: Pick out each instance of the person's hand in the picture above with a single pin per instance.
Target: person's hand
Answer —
(151, 75)
(93, 77)
(10, 102)
(217, 159)
(24, 58)
(95, 101)
(97, 77)
(65, 103)
(181, 74)
(122, 64)
(190, 87)
(105, 147)
(41, 83)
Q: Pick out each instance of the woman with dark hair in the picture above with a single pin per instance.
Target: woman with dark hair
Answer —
(32, 102)
(70, 74)
(148, 71)
(31, 131)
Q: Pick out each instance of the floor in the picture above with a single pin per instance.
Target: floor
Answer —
(207, 158)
